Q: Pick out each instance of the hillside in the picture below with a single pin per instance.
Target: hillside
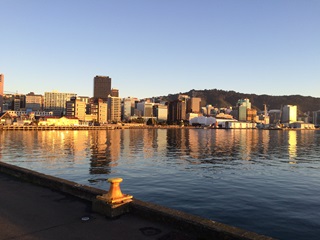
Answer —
(221, 98)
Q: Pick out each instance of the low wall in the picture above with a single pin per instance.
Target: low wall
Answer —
(201, 227)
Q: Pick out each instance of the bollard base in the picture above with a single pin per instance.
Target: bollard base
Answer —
(110, 210)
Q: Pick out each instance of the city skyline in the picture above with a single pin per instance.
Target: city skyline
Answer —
(159, 48)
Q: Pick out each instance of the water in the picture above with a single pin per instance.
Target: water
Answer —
(263, 181)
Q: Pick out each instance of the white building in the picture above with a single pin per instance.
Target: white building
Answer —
(289, 114)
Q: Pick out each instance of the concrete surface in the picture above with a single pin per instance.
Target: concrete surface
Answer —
(30, 212)
(37, 206)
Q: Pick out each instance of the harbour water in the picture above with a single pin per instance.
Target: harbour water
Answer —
(263, 181)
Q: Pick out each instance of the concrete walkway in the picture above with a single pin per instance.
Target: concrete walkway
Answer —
(29, 212)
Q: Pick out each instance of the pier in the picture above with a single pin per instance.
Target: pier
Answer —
(38, 206)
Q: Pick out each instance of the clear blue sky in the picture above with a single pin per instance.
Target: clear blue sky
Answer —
(152, 47)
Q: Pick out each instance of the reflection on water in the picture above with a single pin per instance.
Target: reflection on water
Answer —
(263, 181)
(292, 148)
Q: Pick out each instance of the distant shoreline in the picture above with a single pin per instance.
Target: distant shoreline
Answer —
(104, 127)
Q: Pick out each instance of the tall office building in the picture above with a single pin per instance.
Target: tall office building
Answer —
(193, 105)
(1, 92)
(177, 111)
(56, 102)
(243, 106)
(101, 87)
(114, 109)
(289, 114)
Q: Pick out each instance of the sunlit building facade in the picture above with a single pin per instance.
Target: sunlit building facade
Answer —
(289, 114)
(34, 101)
(194, 105)
(56, 102)
(114, 109)
(76, 108)
(1, 92)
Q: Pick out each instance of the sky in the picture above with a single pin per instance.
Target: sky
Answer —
(152, 48)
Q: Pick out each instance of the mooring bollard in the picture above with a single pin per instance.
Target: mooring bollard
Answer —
(115, 195)
(113, 203)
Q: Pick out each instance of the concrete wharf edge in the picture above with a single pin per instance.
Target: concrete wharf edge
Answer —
(195, 225)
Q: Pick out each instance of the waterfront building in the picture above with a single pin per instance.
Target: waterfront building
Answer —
(145, 109)
(102, 111)
(316, 118)
(76, 108)
(193, 105)
(243, 105)
(177, 111)
(25, 113)
(59, 121)
(102, 87)
(34, 102)
(160, 112)
(6, 118)
(114, 109)
(97, 111)
(127, 107)
(252, 115)
(289, 114)
(18, 102)
(1, 92)
(208, 110)
(56, 102)
(274, 116)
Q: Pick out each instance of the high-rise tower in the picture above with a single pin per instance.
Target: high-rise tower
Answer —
(1, 92)
(101, 87)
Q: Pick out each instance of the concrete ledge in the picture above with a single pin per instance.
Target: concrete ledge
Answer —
(62, 185)
(201, 227)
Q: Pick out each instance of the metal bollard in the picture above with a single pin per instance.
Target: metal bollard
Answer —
(115, 195)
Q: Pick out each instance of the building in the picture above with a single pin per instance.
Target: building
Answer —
(128, 107)
(1, 92)
(243, 105)
(252, 115)
(34, 102)
(76, 108)
(160, 112)
(99, 110)
(194, 105)
(274, 116)
(316, 118)
(177, 111)
(56, 121)
(114, 92)
(145, 108)
(289, 114)
(114, 109)
(56, 102)
(208, 110)
(102, 87)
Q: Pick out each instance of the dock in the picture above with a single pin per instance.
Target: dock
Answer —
(38, 206)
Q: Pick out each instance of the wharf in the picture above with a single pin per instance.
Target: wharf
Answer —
(50, 128)
(38, 206)
(102, 127)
